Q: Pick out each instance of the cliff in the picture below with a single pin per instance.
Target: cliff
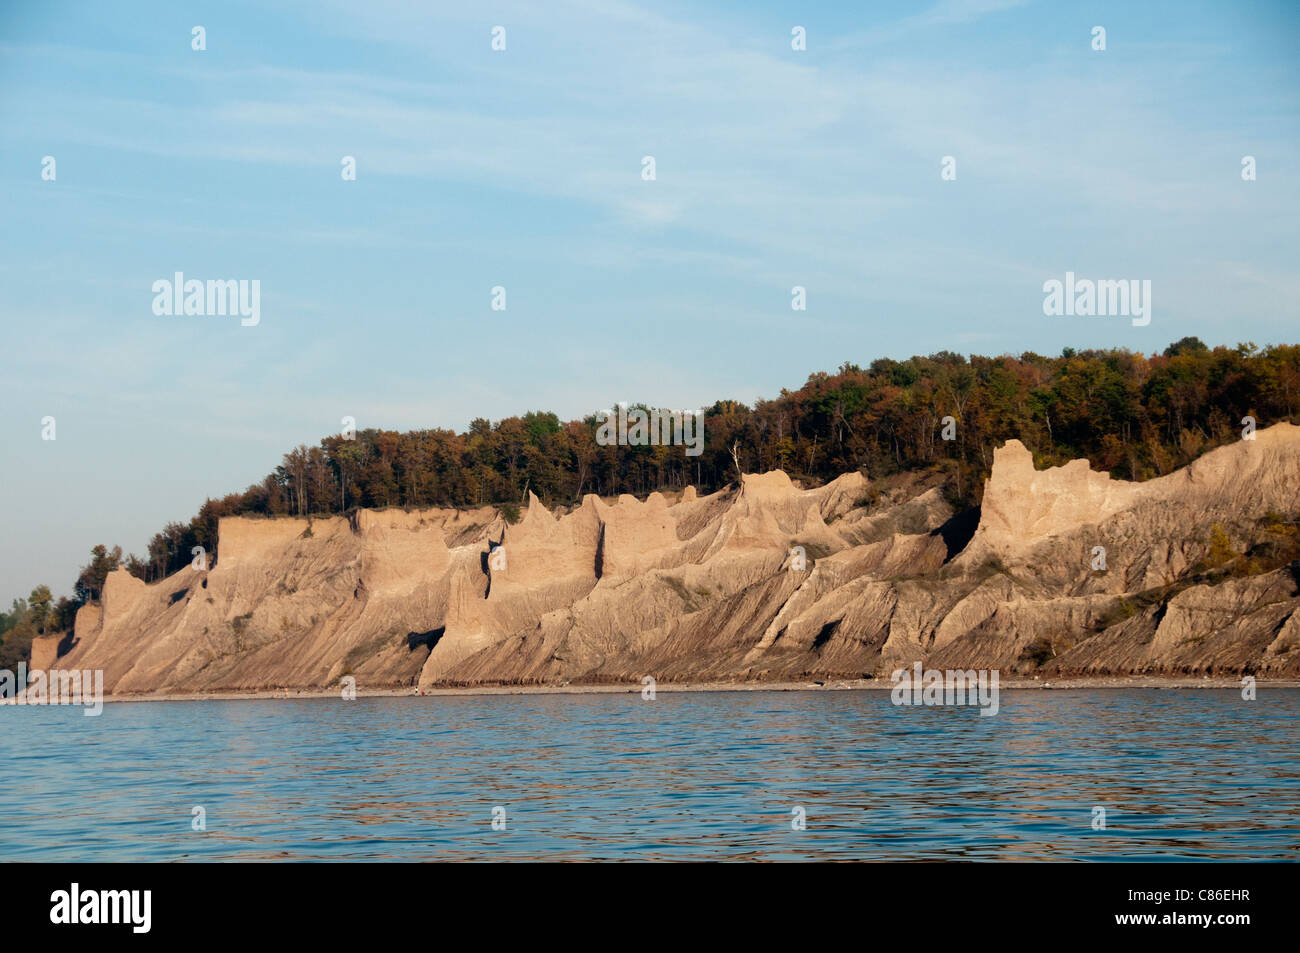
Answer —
(766, 581)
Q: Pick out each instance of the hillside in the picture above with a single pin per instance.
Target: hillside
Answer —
(1199, 578)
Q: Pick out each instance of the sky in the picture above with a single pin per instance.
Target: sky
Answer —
(522, 168)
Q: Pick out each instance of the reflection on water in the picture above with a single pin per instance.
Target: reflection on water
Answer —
(1181, 774)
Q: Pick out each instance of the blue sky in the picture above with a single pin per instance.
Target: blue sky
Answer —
(522, 168)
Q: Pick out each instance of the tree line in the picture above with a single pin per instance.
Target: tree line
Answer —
(1137, 416)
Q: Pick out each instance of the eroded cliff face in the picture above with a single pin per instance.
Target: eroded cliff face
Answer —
(767, 581)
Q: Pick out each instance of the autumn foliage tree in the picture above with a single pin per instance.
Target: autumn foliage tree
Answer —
(1135, 415)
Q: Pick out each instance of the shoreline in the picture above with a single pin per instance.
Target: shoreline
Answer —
(1180, 683)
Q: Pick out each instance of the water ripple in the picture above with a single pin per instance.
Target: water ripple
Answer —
(1193, 775)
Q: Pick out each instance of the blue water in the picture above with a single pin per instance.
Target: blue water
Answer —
(1182, 775)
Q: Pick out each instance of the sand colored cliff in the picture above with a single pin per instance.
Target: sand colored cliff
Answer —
(762, 581)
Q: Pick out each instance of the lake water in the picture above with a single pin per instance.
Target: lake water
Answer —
(1182, 775)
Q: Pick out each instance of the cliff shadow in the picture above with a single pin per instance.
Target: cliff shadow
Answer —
(958, 531)
(428, 639)
(485, 561)
(66, 644)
